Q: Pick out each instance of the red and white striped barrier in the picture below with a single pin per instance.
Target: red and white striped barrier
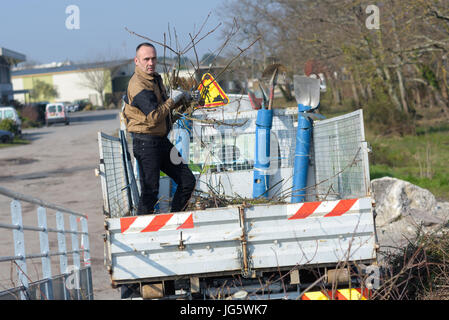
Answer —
(158, 222)
(184, 220)
(322, 209)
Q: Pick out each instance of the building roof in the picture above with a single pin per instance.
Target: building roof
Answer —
(62, 67)
(69, 66)
(12, 56)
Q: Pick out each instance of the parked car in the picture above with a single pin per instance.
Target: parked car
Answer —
(76, 107)
(9, 112)
(56, 113)
(81, 104)
(6, 136)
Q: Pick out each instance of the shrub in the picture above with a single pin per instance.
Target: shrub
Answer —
(89, 107)
(9, 125)
(383, 118)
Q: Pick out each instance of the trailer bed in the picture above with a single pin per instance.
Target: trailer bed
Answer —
(240, 239)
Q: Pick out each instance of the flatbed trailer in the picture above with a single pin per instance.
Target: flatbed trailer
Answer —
(254, 251)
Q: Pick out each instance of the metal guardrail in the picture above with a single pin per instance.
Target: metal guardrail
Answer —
(74, 282)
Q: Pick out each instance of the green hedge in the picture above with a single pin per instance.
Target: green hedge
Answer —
(9, 125)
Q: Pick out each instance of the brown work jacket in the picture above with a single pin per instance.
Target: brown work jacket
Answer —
(147, 107)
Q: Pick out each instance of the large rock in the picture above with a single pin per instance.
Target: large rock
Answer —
(402, 208)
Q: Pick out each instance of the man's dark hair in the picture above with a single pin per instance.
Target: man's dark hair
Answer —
(145, 44)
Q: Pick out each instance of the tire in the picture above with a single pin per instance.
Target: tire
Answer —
(5, 139)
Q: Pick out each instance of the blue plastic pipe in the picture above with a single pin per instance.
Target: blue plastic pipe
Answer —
(262, 155)
(302, 155)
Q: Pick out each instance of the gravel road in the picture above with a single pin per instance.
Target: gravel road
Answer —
(58, 167)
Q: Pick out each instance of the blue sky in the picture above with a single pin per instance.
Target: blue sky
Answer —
(37, 28)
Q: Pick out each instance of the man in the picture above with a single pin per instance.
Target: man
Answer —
(148, 115)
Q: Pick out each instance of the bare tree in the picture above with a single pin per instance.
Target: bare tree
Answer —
(404, 63)
(98, 78)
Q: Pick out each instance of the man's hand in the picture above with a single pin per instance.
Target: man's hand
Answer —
(188, 97)
(177, 95)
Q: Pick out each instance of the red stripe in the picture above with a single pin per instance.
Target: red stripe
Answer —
(223, 95)
(125, 223)
(334, 295)
(366, 293)
(188, 224)
(158, 222)
(216, 104)
(306, 210)
(339, 296)
(341, 208)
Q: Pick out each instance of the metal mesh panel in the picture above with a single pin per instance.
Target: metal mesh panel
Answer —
(231, 147)
(114, 176)
(340, 155)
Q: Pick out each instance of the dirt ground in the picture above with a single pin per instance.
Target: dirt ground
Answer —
(58, 166)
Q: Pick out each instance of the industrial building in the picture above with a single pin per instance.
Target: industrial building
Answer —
(75, 81)
(8, 58)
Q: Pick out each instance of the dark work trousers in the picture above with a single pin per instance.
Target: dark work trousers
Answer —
(153, 155)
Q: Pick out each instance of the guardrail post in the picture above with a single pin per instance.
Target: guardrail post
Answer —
(76, 253)
(19, 247)
(86, 255)
(45, 249)
(62, 247)
(85, 242)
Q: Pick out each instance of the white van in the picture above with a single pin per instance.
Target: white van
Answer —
(56, 112)
(9, 112)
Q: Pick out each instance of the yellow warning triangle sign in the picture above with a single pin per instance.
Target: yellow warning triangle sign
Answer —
(211, 93)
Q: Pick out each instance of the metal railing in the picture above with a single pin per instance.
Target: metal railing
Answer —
(73, 282)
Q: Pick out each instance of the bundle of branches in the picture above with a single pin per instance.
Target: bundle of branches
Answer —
(214, 199)
(420, 271)
(173, 80)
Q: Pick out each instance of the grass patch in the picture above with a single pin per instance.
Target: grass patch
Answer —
(420, 159)
(15, 142)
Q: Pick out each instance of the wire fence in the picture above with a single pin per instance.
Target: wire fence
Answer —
(230, 145)
(338, 166)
